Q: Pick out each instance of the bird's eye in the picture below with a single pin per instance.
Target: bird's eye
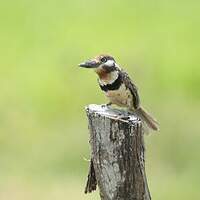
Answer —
(103, 59)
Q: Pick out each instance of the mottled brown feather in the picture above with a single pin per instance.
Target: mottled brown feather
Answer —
(132, 87)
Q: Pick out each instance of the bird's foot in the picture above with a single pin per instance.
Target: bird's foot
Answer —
(130, 112)
(106, 105)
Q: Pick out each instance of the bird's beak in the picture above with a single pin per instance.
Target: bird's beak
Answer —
(89, 64)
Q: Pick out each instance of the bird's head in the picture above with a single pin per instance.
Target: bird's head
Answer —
(101, 63)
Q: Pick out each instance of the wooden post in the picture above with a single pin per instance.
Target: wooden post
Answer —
(117, 160)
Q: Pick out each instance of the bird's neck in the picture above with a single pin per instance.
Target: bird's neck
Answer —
(107, 77)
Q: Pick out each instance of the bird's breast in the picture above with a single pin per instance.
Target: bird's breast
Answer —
(121, 96)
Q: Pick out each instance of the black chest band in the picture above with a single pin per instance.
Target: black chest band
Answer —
(113, 86)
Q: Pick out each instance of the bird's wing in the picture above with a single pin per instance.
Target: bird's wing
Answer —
(132, 87)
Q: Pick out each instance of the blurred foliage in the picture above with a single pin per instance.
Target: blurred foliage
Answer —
(44, 136)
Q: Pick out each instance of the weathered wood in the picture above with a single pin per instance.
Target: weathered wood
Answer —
(117, 162)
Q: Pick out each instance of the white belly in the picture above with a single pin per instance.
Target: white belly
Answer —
(120, 97)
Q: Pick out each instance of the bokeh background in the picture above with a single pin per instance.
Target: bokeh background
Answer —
(43, 126)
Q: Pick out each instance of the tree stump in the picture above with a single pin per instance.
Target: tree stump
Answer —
(117, 155)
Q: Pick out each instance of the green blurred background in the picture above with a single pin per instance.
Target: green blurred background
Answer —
(43, 126)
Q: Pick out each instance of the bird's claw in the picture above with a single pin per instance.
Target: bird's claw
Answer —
(106, 105)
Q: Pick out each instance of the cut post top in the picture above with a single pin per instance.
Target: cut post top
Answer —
(113, 113)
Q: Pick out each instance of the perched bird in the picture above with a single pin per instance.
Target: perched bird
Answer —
(118, 87)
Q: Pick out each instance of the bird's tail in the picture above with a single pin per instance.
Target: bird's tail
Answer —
(147, 118)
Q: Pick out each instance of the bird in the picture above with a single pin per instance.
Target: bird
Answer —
(118, 87)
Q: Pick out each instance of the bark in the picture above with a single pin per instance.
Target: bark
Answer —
(117, 158)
